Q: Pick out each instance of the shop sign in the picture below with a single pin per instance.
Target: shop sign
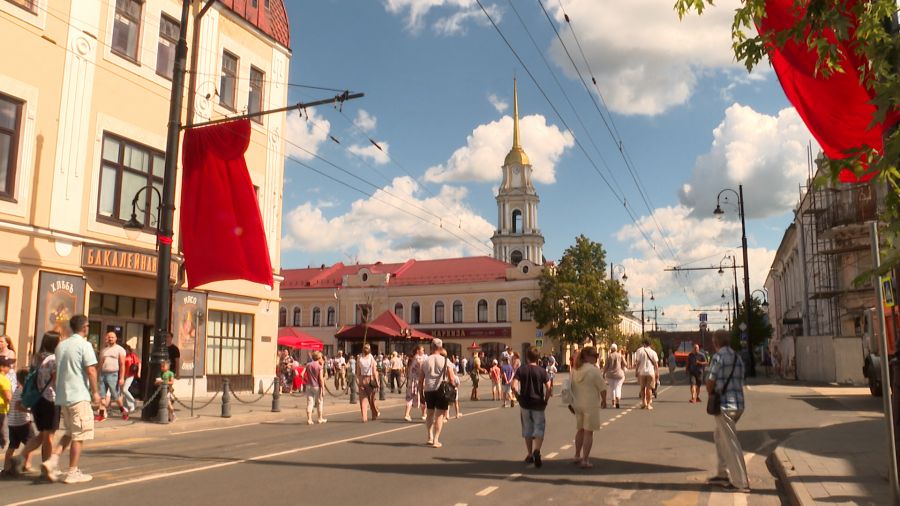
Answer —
(468, 332)
(60, 296)
(106, 258)
(189, 331)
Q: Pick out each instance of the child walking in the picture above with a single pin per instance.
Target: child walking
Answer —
(20, 430)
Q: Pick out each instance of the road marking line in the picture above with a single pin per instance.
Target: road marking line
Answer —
(551, 455)
(513, 476)
(159, 476)
(460, 504)
(565, 447)
(605, 424)
(487, 491)
(212, 429)
(122, 442)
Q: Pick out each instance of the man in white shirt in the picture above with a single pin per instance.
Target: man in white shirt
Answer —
(340, 371)
(647, 369)
(112, 376)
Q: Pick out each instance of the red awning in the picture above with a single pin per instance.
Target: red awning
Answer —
(386, 326)
(293, 338)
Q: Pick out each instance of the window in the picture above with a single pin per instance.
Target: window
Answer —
(282, 317)
(501, 310)
(28, 5)
(398, 310)
(297, 317)
(363, 311)
(126, 169)
(330, 317)
(10, 131)
(457, 312)
(4, 303)
(482, 311)
(229, 347)
(438, 312)
(517, 222)
(165, 50)
(317, 317)
(525, 310)
(255, 100)
(515, 257)
(127, 28)
(415, 313)
(227, 87)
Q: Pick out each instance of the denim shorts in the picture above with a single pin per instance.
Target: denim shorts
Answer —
(109, 381)
(533, 423)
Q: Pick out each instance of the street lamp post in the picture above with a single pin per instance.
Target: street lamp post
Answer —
(617, 267)
(719, 211)
(734, 294)
(652, 298)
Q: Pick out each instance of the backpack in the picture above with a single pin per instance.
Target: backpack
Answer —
(30, 392)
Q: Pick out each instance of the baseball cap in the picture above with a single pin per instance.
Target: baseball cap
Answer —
(437, 343)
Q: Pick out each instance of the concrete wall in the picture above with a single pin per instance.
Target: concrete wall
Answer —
(830, 359)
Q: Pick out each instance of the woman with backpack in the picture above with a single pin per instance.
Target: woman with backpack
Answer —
(45, 413)
(132, 371)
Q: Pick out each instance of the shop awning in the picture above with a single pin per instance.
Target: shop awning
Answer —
(386, 326)
(294, 338)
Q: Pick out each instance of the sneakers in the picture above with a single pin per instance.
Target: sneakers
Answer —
(407, 418)
(76, 476)
(125, 415)
(99, 417)
(322, 420)
(49, 468)
(537, 458)
(529, 459)
(18, 465)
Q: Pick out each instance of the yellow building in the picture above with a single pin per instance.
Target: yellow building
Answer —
(479, 300)
(84, 104)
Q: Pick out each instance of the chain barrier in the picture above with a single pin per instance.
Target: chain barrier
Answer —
(242, 401)
(345, 392)
(185, 406)
(154, 396)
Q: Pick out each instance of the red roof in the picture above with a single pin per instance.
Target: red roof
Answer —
(411, 273)
(273, 21)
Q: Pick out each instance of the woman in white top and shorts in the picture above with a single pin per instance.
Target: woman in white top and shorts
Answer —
(435, 369)
(367, 379)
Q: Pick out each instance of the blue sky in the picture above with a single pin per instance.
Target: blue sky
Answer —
(436, 76)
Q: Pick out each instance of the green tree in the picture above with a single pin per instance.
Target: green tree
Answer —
(578, 301)
(874, 37)
(760, 330)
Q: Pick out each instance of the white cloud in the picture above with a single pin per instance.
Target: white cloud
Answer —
(498, 103)
(482, 156)
(307, 134)
(453, 17)
(767, 154)
(645, 59)
(373, 230)
(697, 242)
(369, 151)
(365, 121)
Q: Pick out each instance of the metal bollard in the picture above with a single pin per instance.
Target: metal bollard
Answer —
(226, 399)
(276, 396)
(353, 391)
(162, 414)
(381, 396)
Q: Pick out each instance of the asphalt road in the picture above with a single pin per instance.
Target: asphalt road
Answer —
(640, 457)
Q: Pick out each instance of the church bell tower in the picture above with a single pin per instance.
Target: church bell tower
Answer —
(517, 236)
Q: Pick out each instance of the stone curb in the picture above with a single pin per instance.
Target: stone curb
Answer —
(785, 470)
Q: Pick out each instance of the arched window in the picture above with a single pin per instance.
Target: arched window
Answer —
(439, 312)
(515, 257)
(282, 317)
(482, 311)
(317, 317)
(330, 317)
(296, 318)
(398, 310)
(457, 312)
(501, 310)
(525, 310)
(415, 313)
(517, 222)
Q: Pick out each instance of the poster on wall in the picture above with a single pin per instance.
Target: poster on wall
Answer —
(189, 331)
(60, 296)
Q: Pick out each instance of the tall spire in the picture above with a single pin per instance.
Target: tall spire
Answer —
(515, 115)
(516, 154)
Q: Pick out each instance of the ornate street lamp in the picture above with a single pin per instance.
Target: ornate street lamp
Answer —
(765, 296)
(718, 211)
(617, 267)
(133, 227)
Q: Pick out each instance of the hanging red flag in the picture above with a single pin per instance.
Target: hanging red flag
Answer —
(221, 227)
(837, 109)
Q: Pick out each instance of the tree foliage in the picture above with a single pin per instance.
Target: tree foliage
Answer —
(869, 23)
(760, 329)
(578, 301)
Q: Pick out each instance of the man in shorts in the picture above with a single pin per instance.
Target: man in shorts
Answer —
(76, 391)
(315, 391)
(647, 368)
(340, 371)
(112, 376)
(531, 384)
(696, 362)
